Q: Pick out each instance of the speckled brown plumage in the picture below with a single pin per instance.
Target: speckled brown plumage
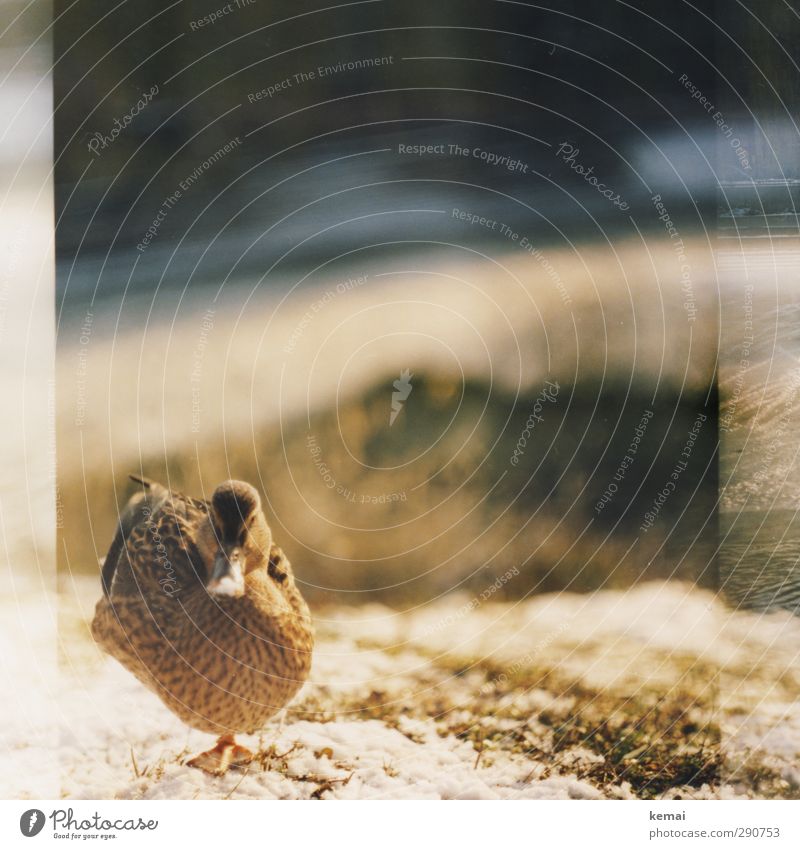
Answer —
(223, 663)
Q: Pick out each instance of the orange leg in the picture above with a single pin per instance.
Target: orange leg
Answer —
(225, 754)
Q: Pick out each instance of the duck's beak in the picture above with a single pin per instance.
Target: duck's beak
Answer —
(227, 578)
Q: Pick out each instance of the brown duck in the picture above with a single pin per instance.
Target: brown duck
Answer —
(202, 608)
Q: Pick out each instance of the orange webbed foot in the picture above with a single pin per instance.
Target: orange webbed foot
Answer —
(225, 754)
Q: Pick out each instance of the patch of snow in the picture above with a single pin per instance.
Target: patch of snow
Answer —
(102, 735)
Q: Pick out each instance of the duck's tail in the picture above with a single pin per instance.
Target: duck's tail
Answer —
(152, 491)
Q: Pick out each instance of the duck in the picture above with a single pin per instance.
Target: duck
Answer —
(202, 607)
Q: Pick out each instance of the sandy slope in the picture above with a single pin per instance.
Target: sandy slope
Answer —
(457, 700)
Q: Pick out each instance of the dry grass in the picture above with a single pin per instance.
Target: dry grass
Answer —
(658, 743)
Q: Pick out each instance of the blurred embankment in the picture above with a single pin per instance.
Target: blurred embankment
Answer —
(251, 389)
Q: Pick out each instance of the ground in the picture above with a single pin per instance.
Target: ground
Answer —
(659, 691)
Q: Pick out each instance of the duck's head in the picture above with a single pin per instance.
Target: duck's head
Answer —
(241, 537)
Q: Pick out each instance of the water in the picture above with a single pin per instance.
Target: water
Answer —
(760, 559)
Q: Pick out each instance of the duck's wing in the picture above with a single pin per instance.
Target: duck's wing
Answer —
(156, 525)
(153, 565)
(152, 486)
(139, 505)
(280, 570)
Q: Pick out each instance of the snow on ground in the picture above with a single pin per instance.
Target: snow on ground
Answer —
(658, 691)
(29, 666)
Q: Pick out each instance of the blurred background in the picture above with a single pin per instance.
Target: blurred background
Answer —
(489, 300)
(269, 214)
